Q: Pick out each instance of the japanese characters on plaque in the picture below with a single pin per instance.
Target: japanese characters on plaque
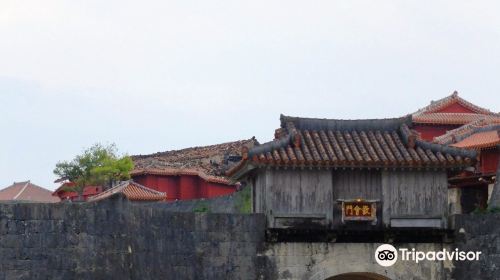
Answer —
(359, 210)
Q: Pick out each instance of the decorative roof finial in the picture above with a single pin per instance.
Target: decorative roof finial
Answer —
(455, 93)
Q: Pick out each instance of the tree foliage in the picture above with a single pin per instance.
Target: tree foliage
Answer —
(97, 165)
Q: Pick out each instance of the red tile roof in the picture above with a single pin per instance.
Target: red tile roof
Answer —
(432, 114)
(477, 121)
(479, 134)
(351, 143)
(132, 191)
(27, 192)
(480, 140)
(451, 136)
(440, 104)
(452, 118)
(208, 162)
(181, 171)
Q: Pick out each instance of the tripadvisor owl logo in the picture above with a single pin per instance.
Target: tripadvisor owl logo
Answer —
(386, 255)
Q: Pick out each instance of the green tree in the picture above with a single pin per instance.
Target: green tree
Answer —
(97, 165)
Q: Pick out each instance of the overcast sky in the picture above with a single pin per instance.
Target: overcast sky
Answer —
(159, 75)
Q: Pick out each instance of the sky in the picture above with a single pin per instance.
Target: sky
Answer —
(153, 76)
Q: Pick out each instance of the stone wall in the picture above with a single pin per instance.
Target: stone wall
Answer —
(478, 232)
(117, 240)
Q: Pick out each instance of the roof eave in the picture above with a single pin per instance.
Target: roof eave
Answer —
(241, 171)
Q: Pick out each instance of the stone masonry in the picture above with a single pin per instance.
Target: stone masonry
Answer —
(115, 239)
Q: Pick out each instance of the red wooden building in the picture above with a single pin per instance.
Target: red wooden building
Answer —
(457, 122)
(191, 173)
(447, 114)
(65, 192)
